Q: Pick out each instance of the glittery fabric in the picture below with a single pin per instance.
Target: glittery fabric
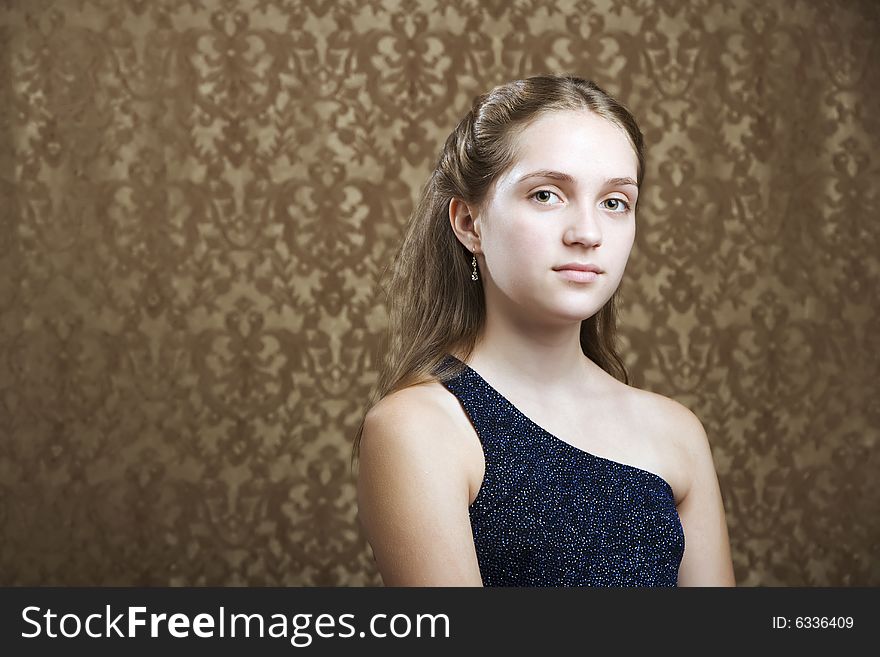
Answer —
(551, 514)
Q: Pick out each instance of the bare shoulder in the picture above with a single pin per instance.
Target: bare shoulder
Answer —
(414, 402)
(678, 432)
(431, 406)
(404, 428)
(413, 491)
(676, 415)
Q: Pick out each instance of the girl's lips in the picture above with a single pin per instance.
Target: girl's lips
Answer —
(578, 276)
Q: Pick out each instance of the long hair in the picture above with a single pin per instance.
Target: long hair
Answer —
(433, 304)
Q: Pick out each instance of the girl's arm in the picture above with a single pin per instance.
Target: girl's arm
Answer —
(706, 560)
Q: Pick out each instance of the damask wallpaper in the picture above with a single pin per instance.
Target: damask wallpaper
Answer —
(197, 199)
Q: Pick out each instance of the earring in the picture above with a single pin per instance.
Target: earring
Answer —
(474, 272)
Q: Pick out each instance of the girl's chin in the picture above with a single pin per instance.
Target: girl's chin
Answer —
(574, 313)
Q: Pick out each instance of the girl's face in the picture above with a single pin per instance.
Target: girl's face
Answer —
(536, 224)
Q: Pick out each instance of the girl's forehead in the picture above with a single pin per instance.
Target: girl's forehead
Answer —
(573, 143)
(566, 134)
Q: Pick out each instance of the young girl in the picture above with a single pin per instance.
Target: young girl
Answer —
(504, 445)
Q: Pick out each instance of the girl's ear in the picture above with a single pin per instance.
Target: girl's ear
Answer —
(466, 228)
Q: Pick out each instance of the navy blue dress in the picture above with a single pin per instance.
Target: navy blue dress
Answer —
(551, 514)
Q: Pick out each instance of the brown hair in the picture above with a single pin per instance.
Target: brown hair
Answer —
(433, 304)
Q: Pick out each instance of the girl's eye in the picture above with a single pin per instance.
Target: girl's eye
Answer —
(544, 191)
(619, 202)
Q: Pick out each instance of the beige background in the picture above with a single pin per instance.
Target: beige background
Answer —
(196, 199)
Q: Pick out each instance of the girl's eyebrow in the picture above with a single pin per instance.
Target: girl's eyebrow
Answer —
(558, 175)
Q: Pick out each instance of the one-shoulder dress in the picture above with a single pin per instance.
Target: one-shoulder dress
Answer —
(550, 514)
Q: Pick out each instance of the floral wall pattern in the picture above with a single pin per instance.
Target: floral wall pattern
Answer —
(198, 197)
